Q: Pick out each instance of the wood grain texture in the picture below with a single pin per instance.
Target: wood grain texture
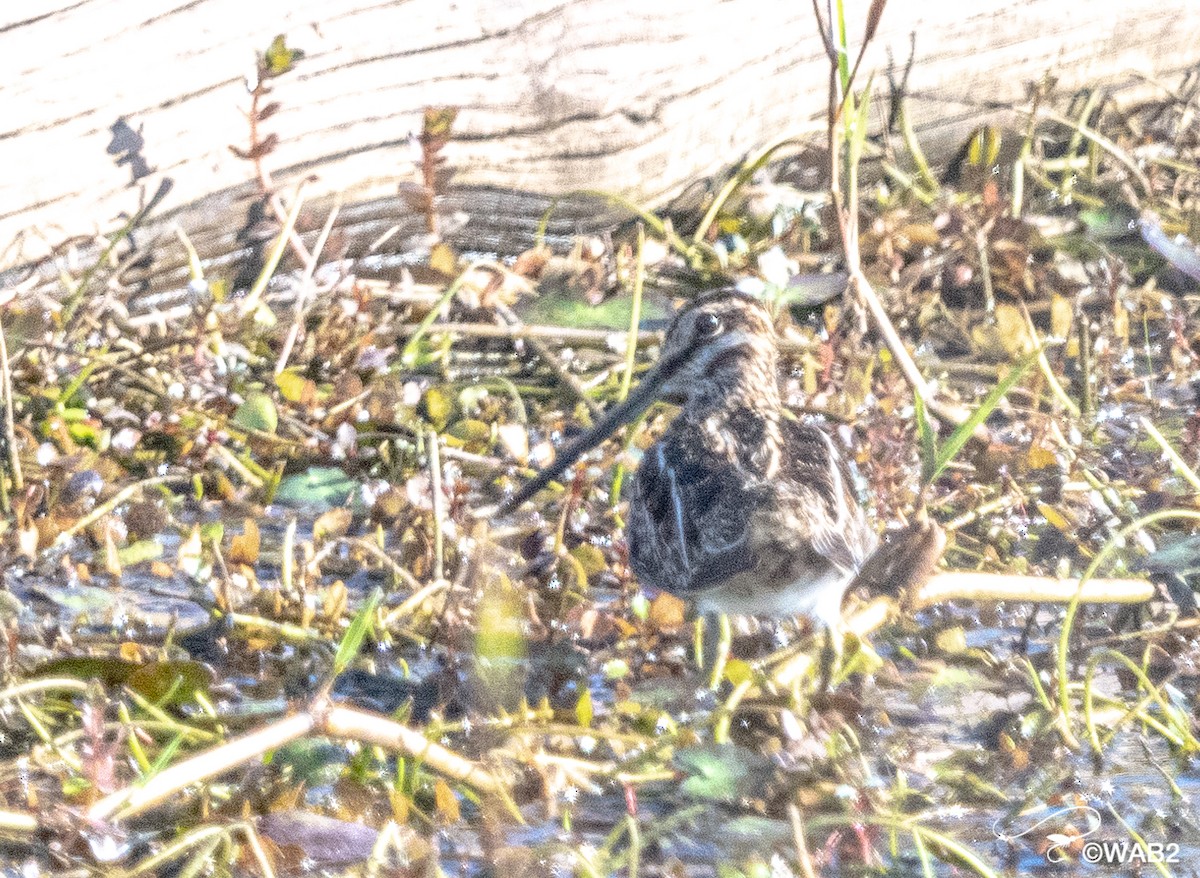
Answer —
(104, 99)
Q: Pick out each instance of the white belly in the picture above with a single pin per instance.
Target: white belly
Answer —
(818, 599)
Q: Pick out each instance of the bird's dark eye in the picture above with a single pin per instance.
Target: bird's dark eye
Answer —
(707, 325)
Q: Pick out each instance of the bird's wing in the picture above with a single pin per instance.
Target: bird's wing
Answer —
(833, 518)
(688, 520)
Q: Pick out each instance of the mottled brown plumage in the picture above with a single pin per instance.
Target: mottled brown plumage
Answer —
(736, 508)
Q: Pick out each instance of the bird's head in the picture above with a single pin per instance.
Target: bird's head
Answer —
(722, 343)
(720, 348)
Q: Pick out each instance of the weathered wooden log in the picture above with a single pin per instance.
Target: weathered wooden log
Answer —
(107, 101)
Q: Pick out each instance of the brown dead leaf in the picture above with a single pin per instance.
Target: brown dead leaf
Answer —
(1018, 756)
(223, 487)
(443, 259)
(336, 600)
(919, 235)
(401, 806)
(1121, 321)
(112, 559)
(531, 263)
(1062, 314)
(346, 387)
(190, 552)
(388, 506)
(592, 624)
(1006, 338)
(1040, 457)
(332, 524)
(245, 546)
(666, 613)
(446, 802)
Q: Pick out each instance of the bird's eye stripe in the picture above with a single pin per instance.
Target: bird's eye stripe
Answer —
(727, 357)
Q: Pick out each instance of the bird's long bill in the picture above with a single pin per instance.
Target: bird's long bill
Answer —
(640, 399)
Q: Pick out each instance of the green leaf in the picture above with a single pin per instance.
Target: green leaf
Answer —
(361, 625)
(166, 683)
(583, 709)
(316, 486)
(257, 413)
(165, 757)
(858, 125)
(722, 772)
(960, 436)
(142, 550)
(313, 762)
(615, 669)
(291, 384)
(279, 58)
(436, 407)
(983, 146)
(1110, 222)
(574, 312)
(212, 532)
(75, 786)
(170, 683)
(639, 606)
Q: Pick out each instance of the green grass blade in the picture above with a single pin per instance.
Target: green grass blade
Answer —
(165, 757)
(858, 123)
(748, 169)
(953, 852)
(960, 436)
(926, 437)
(360, 625)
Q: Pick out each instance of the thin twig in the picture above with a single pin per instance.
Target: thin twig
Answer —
(425, 326)
(250, 303)
(1181, 466)
(168, 783)
(593, 337)
(965, 585)
(803, 858)
(860, 623)
(439, 506)
(249, 476)
(305, 285)
(635, 313)
(955, 414)
(380, 555)
(1056, 387)
(195, 267)
(285, 631)
(124, 495)
(10, 427)
(359, 725)
(1100, 140)
(846, 206)
(392, 619)
(547, 356)
(321, 718)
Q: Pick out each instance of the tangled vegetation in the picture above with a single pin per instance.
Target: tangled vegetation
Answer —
(255, 626)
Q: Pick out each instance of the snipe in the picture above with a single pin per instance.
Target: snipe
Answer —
(736, 508)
